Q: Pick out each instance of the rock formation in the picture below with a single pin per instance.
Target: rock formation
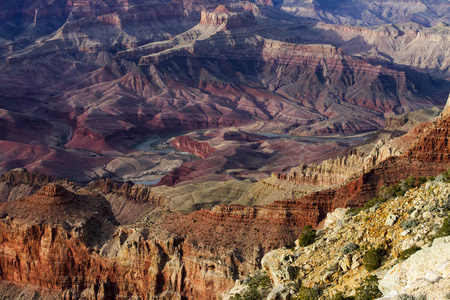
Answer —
(187, 144)
(114, 73)
(229, 19)
(335, 263)
(82, 82)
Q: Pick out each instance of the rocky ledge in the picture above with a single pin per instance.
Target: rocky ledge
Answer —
(225, 16)
(335, 261)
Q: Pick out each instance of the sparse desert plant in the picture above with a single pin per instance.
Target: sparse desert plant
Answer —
(341, 296)
(410, 223)
(372, 258)
(307, 237)
(307, 293)
(348, 248)
(421, 180)
(408, 252)
(408, 183)
(445, 228)
(446, 175)
(368, 289)
(372, 202)
(259, 287)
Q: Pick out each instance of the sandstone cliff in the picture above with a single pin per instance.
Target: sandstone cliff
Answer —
(83, 253)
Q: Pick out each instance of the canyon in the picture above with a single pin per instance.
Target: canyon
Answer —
(195, 255)
(86, 81)
(245, 122)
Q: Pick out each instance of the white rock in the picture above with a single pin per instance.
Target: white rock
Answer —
(405, 233)
(355, 265)
(426, 215)
(414, 214)
(421, 268)
(433, 276)
(390, 220)
(335, 216)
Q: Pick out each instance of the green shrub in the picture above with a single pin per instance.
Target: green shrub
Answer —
(408, 252)
(307, 237)
(259, 286)
(445, 229)
(421, 180)
(341, 296)
(399, 193)
(306, 293)
(260, 281)
(389, 191)
(372, 202)
(372, 258)
(446, 175)
(408, 183)
(368, 289)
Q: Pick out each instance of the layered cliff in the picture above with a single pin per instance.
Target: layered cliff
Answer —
(76, 250)
(391, 141)
(112, 73)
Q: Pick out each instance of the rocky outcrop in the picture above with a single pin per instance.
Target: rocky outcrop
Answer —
(364, 12)
(76, 250)
(22, 176)
(433, 143)
(187, 144)
(19, 183)
(128, 190)
(425, 272)
(335, 260)
(446, 111)
(335, 172)
(222, 15)
(391, 141)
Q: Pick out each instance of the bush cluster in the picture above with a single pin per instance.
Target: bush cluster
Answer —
(445, 229)
(307, 293)
(368, 289)
(372, 258)
(307, 237)
(259, 286)
(408, 252)
(410, 223)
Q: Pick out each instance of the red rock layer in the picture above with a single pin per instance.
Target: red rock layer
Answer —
(433, 144)
(75, 247)
(187, 144)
